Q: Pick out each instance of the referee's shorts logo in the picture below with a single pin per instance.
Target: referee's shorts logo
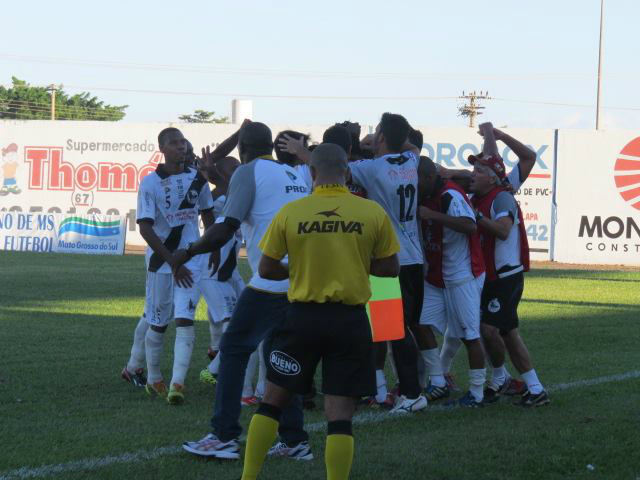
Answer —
(283, 363)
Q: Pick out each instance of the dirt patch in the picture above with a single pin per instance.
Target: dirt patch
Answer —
(575, 266)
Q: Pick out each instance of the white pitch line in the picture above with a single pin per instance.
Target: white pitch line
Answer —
(88, 464)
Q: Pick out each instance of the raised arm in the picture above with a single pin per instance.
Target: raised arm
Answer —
(526, 156)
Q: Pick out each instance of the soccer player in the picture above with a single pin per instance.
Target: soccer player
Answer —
(334, 241)
(169, 201)
(515, 179)
(453, 283)
(391, 179)
(258, 189)
(506, 255)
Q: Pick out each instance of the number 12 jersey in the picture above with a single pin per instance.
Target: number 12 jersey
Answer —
(392, 181)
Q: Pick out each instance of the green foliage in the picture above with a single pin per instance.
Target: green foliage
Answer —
(203, 116)
(25, 102)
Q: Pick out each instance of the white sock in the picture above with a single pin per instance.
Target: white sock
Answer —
(381, 385)
(215, 332)
(214, 365)
(500, 375)
(450, 347)
(137, 358)
(533, 383)
(183, 347)
(247, 389)
(434, 367)
(153, 342)
(262, 372)
(477, 378)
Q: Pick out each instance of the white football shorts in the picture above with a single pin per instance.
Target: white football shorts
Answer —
(454, 309)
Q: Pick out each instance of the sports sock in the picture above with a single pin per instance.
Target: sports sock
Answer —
(477, 378)
(338, 453)
(434, 367)
(214, 365)
(247, 389)
(153, 342)
(450, 347)
(261, 435)
(137, 358)
(215, 332)
(183, 347)
(381, 385)
(500, 375)
(533, 383)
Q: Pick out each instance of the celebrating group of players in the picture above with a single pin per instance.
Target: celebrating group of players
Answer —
(460, 251)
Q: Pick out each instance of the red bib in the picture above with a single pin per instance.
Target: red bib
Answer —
(488, 241)
(432, 233)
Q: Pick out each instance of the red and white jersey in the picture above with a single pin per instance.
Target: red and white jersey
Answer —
(452, 257)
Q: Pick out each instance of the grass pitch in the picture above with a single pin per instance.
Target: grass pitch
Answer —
(66, 325)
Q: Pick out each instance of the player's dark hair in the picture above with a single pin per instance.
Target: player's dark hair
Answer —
(286, 157)
(162, 136)
(395, 130)
(255, 139)
(416, 138)
(338, 135)
(353, 129)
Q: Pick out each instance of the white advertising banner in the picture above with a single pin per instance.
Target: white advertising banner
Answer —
(598, 199)
(81, 168)
(450, 147)
(52, 232)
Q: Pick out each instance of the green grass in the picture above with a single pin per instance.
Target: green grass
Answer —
(65, 333)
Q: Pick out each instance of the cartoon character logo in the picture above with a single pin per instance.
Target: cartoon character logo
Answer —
(9, 168)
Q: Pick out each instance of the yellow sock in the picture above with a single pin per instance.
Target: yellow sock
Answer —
(262, 433)
(338, 456)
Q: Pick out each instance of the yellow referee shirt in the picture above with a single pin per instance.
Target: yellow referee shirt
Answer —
(331, 237)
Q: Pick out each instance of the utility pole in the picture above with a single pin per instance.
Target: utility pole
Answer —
(600, 66)
(52, 88)
(473, 108)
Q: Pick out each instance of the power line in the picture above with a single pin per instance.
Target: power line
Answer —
(221, 70)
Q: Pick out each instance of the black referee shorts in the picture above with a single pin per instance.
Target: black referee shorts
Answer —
(337, 334)
(500, 300)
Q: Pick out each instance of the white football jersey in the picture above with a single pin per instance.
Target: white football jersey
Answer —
(228, 252)
(392, 181)
(257, 191)
(172, 203)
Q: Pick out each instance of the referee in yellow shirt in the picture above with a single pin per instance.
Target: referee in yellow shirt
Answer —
(334, 240)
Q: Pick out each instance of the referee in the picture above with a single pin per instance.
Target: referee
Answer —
(334, 240)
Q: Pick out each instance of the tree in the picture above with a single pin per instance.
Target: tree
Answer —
(22, 101)
(203, 116)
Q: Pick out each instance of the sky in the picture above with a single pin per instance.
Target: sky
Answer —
(304, 62)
